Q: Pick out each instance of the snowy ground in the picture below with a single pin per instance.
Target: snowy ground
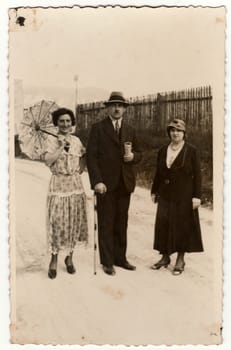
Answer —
(138, 308)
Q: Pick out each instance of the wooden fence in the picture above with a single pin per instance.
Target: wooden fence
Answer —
(152, 113)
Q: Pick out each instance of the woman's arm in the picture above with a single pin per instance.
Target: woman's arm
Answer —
(51, 158)
(196, 174)
(196, 200)
(156, 180)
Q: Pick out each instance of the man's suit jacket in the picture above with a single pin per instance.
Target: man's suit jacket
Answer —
(105, 152)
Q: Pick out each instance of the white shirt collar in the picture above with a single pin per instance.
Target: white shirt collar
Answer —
(115, 120)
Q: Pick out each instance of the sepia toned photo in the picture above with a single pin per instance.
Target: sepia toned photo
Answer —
(116, 124)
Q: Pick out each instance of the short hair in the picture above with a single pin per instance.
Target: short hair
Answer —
(61, 111)
(173, 127)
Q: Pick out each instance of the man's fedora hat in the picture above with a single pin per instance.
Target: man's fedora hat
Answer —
(116, 97)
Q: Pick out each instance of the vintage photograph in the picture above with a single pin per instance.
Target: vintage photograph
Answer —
(116, 122)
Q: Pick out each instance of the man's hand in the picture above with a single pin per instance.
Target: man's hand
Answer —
(196, 202)
(153, 197)
(128, 157)
(100, 188)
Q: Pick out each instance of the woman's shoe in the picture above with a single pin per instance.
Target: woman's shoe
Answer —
(162, 263)
(178, 269)
(70, 267)
(52, 273)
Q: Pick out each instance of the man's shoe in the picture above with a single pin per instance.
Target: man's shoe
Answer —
(109, 270)
(127, 266)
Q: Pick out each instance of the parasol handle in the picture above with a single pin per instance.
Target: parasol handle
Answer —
(67, 144)
(37, 128)
(48, 132)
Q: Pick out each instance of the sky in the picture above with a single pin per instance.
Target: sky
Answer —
(137, 51)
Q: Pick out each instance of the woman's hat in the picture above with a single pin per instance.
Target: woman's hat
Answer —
(116, 97)
(176, 123)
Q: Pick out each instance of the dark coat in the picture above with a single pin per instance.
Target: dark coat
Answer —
(177, 227)
(183, 180)
(105, 152)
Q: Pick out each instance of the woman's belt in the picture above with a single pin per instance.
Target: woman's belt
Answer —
(60, 174)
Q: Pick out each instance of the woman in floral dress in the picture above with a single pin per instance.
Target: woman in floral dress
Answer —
(66, 201)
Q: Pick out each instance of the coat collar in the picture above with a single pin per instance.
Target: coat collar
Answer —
(180, 158)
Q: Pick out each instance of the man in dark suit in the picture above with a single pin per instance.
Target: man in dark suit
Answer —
(112, 177)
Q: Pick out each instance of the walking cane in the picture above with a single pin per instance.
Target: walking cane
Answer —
(95, 231)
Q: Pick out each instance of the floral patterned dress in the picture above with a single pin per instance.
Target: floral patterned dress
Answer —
(66, 200)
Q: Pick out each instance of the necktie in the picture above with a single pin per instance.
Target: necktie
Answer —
(117, 127)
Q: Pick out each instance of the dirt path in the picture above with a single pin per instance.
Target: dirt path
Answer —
(141, 307)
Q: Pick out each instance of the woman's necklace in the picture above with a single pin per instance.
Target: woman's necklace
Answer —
(176, 146)
(172, 152)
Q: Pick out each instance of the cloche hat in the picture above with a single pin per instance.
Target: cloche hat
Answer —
(178, 124)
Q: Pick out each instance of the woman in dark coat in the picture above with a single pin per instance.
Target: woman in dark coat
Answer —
(177, 190)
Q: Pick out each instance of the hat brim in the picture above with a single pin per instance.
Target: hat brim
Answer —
(175, 127)
(107, 103)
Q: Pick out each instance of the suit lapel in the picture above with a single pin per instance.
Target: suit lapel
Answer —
(109, 130)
